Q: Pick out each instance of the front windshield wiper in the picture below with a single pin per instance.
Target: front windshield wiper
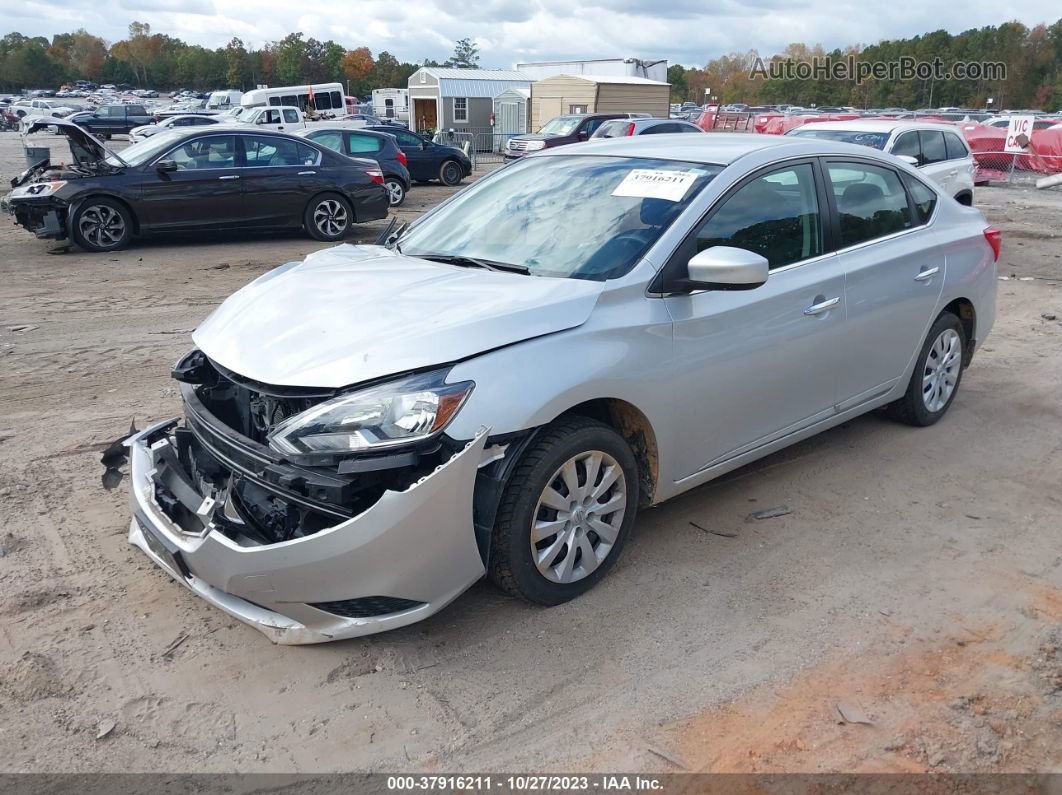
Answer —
(475, 262)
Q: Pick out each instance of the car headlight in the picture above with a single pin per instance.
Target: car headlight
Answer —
(39, 188)
(400, 412)
(534, 146)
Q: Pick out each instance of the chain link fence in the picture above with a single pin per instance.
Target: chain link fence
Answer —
(1009, 168)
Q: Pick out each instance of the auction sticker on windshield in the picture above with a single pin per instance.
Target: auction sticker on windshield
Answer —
(651, 183)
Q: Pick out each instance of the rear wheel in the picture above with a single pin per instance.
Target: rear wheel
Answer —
(451, 173)
(936, 376)
(396, 191)
(101, 225)
(566, 512)
(328, 217)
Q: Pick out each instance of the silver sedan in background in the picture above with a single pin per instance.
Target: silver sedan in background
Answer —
(499, 388)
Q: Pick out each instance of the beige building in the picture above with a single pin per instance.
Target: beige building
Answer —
(563, 94)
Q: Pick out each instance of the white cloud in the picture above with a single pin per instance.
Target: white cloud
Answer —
(683, 31)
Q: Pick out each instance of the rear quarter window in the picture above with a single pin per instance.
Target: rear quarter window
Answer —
(925, 200)
(955, 147)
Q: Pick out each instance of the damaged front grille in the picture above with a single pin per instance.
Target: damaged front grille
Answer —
(367, 606)
(223, 454)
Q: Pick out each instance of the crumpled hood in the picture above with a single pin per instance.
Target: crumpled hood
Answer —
(353, 313)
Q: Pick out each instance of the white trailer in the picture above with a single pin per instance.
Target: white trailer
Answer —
(391, 103)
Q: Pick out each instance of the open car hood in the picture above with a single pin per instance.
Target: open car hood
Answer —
(354, 313)
(86, 149)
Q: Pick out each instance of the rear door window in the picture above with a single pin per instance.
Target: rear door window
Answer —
(956, 148)
(925, 200)
(217, 151)
(871, 201)
(775, 215)
(262, 151)
(364, 144)
(332, 139)
(933, 148)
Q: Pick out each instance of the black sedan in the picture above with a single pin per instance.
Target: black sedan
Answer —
(219, 178)
(359, 142)
(428, 160)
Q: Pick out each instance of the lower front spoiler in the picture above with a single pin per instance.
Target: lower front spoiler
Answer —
(418, 544)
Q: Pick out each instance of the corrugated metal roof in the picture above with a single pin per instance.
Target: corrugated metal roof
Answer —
(628, 79)
(444, 73)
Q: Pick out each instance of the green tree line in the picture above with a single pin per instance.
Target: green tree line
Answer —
(1032, 57)
(147, 59)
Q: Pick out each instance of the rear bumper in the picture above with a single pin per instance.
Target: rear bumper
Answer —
(416, 547)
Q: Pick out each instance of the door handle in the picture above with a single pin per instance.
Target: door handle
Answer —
(927, 274)
(230, 176)
(306, 173)
(822, 306)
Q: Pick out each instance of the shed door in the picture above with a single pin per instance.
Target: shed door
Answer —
(509, 121)
(424, 114)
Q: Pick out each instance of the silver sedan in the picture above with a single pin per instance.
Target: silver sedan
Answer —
(499, 388)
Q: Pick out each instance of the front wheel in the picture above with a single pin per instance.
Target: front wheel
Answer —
(451, 173)
(396, 191)
(936, 376)
(328, 217)
(101, 224)
(565, 513)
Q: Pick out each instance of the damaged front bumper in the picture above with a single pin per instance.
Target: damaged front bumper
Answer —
(45, 218)
(400, 560)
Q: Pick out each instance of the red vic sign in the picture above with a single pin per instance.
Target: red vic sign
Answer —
(1019, 132)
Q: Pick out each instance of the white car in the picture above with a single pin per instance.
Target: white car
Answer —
(938, 150)
(171, 123)
(282, 118)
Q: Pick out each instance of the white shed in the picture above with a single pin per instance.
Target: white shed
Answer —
(511, 112)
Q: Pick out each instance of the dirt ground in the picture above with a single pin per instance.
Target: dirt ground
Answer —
(916, 585)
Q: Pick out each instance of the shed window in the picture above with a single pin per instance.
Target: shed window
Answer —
(460, 109)
(577, 108)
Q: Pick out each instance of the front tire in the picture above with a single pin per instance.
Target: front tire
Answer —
(101, 224)
(328, 217)
(935, 380)
(565, 513)
(451, 173)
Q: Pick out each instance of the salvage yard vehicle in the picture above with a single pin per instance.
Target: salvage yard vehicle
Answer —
(108, 120)
(427, 160)
(213, 178)
(618, 128)
(138, 134)
(939, 150)
(569, 129)
(282, 119)
(381, 147)
(499, 387)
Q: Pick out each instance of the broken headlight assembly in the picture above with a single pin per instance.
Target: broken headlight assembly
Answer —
(374, 419)
(38, 189)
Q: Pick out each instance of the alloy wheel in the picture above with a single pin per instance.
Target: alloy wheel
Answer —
(395, 192)
(578, 517)
(941, 371)
(101, 226)
(330, 217)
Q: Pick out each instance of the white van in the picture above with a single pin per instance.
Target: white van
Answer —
(327, 97)
(223, 100)
(391, 104)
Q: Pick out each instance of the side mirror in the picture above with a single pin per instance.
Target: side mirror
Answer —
(164, 166)
(726, 268)
(909, 160)
(583, 135)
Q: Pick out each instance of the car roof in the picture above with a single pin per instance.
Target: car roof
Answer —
(719, 148)
(878, 125)
(339, 126)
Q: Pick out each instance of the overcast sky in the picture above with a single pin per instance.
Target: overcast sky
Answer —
(683, 31)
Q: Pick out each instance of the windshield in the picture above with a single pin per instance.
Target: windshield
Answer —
(562, 125)
(581, 217)
(875, 140)
(138, 154)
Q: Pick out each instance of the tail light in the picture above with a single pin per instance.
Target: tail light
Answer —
(630, 128)
(995, 240)
(375, 175)
(403, 159)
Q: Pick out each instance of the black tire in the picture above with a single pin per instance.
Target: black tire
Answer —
(339, 217)
(451, 173)
(396, 191)
(912, 408)
(101, 224)
(512, 567)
